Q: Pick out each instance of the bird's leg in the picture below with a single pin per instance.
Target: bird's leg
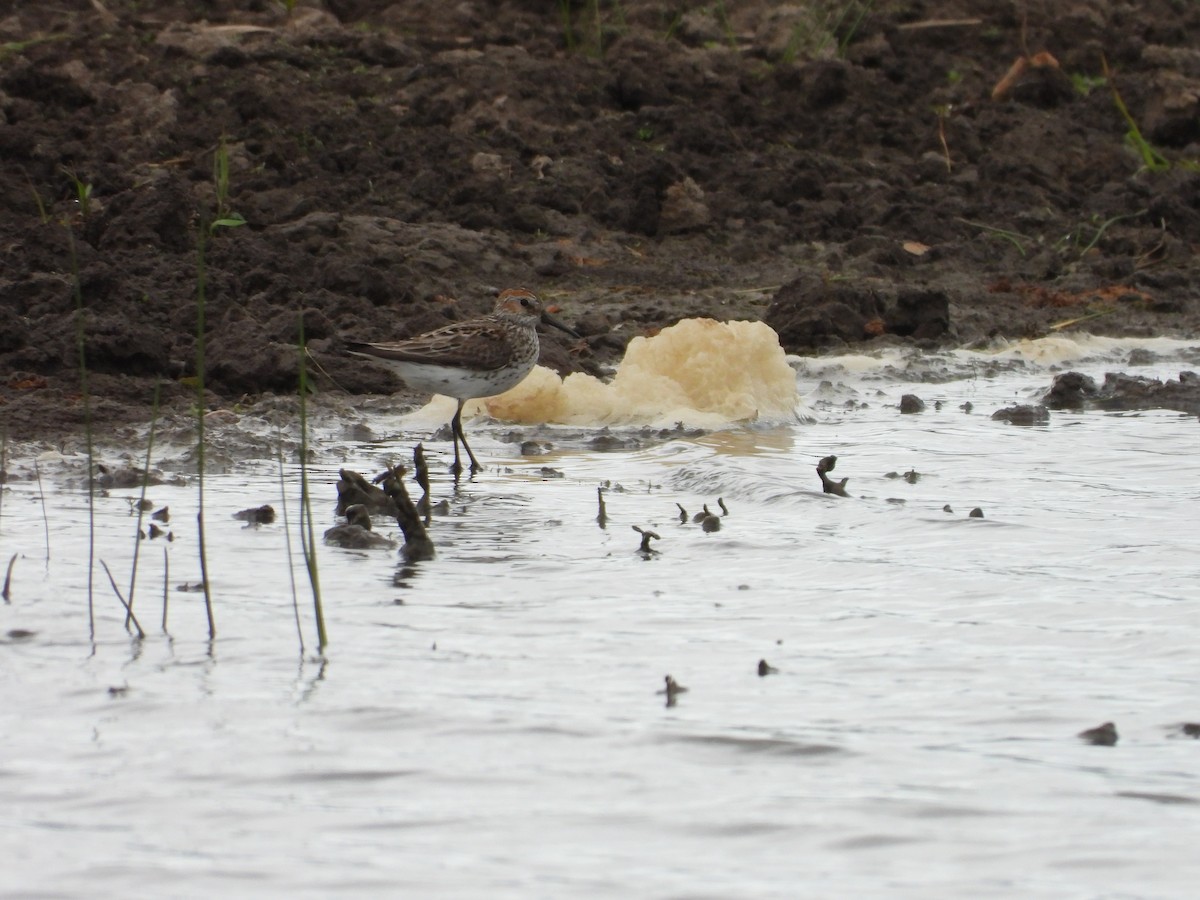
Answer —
(455, 431)
(460, 435)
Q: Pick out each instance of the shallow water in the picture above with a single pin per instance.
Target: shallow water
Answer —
(487, 723)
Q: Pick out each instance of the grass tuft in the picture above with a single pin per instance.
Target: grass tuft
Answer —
(1151, 158)
(226, 217)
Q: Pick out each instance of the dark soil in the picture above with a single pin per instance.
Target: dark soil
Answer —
(850, 182)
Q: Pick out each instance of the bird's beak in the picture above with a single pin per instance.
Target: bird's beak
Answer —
(555, 323)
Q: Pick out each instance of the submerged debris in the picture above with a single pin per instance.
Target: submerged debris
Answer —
(355, 533)
(1101, 736)
(644, 548)
(417, 543)
(259, 515)
(422, 477)
(671, 688)
(602, 515)
(358, 515)
(976, 513)
(358, 500)
(123, 478)
(1074, 390)
(1023, 414)
(155, 532)
(353, 489)
(828, 485)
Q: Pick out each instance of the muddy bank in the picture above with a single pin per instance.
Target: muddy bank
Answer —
(851, 182)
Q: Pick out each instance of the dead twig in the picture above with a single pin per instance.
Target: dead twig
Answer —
(938, 23)
(1018, 68)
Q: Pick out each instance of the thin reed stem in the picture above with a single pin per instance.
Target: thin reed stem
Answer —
(137, 538)
(287, 536)
(85, 399)
(128, 610)
(307, 537)
(45, 518)
(201, 287)
(166, 582)
(3, 470)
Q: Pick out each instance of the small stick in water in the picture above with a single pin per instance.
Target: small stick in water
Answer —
(422, 476)
(602, 516)
(8, 579)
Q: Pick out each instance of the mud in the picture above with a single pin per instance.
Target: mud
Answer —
(851, 181)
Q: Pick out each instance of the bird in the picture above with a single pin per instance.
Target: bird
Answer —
(479, 357)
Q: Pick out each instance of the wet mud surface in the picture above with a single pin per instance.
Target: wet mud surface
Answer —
(944, 173)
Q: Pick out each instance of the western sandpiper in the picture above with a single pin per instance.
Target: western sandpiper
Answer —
(479, 357)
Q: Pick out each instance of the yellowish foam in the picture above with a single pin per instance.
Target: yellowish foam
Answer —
(703, 373)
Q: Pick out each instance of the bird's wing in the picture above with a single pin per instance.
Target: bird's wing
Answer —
(476, 343)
